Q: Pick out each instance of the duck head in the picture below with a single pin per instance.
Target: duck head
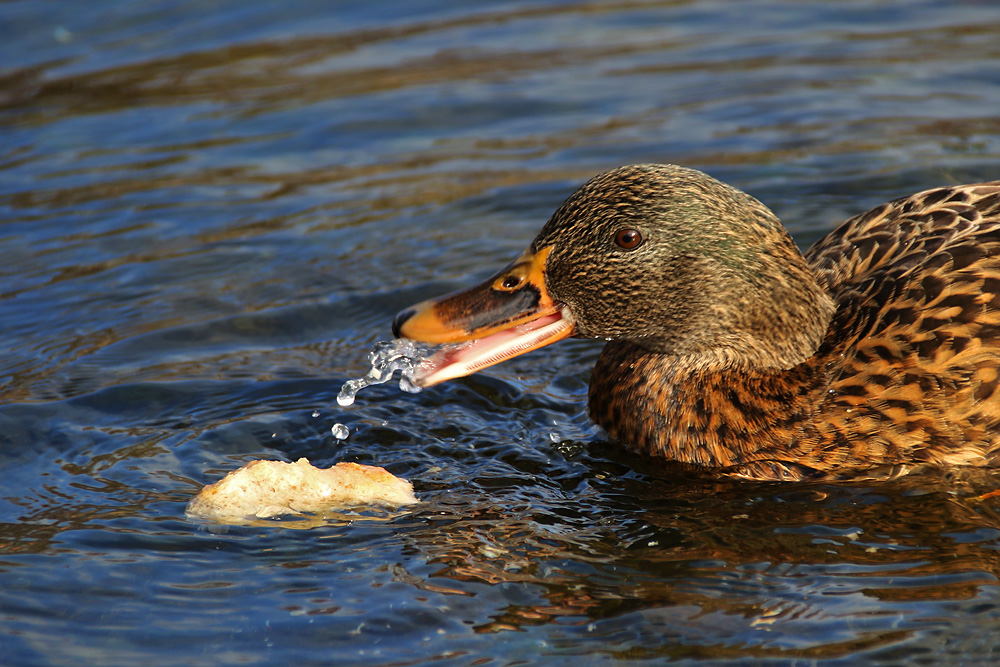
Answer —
(662, 256)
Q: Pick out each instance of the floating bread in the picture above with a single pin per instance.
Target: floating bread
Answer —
(266, 489)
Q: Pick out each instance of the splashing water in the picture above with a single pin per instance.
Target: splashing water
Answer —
(386, 358)
(340, 432)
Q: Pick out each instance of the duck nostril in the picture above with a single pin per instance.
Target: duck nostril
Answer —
(400, 320)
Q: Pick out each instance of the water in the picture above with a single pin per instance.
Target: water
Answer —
(386, 358)
(209, 212)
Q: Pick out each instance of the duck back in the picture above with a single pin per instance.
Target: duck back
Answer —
(914, 345)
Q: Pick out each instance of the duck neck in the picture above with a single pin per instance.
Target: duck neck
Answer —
(780, 323)
(699, 411)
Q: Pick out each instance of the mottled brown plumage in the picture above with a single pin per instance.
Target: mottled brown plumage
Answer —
(907, 371)
(876, 351)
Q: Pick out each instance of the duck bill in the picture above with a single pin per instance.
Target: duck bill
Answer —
(506, 316)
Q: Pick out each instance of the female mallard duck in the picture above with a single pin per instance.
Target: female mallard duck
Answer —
(877, 350)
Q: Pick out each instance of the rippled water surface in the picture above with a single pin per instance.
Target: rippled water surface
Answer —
(209, 211)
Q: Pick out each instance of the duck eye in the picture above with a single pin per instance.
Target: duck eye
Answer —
(508, 283)
(629, 239)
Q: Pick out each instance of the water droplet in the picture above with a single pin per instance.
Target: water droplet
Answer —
(348, 391)
(386, 358)
(315, 413)
(407, 385)
(340, 432)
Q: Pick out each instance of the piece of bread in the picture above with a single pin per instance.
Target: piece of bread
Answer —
(265, 489)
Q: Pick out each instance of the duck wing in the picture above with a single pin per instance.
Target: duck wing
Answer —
(914, 347)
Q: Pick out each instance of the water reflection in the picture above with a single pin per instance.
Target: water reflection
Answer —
(809, 572)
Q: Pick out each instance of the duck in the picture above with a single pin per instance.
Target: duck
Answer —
(875, 352)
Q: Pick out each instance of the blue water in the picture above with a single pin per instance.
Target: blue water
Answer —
(209, 211)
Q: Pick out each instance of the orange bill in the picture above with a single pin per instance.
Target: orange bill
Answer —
(508, 315)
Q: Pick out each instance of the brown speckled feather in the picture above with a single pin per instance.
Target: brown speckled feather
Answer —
(907, 373)
(916, 337)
